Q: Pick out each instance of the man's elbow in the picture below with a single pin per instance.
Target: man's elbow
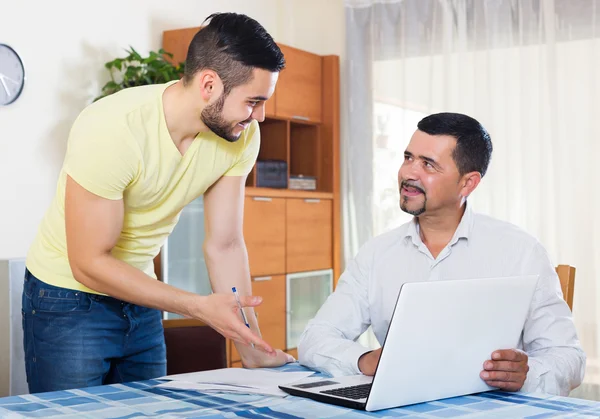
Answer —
(307, 347)
(215, 246)
(580, 371)
(84, 269)
(303, 350)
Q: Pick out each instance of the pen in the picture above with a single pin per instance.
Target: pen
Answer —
(237, 298)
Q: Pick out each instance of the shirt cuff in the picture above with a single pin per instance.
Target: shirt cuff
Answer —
(533, 382)
(351, 355)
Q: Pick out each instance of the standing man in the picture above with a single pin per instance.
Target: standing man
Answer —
(91, 301)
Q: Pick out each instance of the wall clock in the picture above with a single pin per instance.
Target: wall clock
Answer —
(12, 75)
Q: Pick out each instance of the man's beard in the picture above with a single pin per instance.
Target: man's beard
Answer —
(212, 117)
(404, 201)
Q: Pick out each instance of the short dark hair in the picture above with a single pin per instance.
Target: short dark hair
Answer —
(473, 150)
(232, 45)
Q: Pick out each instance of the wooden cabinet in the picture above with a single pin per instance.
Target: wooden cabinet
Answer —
(309, 234)
(265, 241)
(299, 88)
(271, 313)
(270, 105)
(177, 42)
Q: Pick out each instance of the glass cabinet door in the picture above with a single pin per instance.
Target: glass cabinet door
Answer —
(182, 260)
(305, 294)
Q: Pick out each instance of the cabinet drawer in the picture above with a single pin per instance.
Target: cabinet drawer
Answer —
(299, 87)
(309, 236)
(264, 233)
(271, 313)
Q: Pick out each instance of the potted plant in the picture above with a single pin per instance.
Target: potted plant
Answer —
(135, 70)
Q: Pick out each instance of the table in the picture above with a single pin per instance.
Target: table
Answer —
(142, 399)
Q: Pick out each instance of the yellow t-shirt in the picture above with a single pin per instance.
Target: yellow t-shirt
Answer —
(120, 148)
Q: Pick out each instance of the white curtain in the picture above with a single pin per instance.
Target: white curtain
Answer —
(529, 71)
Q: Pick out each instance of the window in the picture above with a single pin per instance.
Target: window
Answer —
(394, 125)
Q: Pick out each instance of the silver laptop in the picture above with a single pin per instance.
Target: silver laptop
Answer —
(440, 335)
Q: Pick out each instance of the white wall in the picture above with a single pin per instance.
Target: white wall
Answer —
(64, 44)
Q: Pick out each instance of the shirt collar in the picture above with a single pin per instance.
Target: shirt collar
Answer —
(463, 231)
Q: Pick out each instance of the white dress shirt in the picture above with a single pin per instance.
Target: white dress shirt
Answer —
(481, 247)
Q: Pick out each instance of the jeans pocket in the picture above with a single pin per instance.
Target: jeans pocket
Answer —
(49, 300)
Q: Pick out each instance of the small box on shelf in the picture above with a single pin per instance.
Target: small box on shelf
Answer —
(271, 174)
(301, 182)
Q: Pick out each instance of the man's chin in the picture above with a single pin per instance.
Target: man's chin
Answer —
(412, 210)
(232, 138)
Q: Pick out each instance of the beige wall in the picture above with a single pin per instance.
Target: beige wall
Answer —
(64, 44)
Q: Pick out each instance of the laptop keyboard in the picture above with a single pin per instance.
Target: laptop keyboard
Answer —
(354, 392)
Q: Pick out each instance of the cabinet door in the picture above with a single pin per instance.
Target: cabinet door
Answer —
(305, 294)
(182, 261)
(309, 237)
(299, 86)
(264, 233)
(271, 313)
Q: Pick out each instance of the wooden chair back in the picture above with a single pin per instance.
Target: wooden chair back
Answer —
(566, 274)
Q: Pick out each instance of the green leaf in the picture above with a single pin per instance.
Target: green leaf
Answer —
(135, 70)
(111, 85)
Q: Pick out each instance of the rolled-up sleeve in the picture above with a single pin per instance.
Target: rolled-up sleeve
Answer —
(328, 343)
(556, 359)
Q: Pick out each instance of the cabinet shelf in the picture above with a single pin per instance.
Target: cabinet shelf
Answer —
(287, 193)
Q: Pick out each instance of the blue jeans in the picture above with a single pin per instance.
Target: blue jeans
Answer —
(73, 339)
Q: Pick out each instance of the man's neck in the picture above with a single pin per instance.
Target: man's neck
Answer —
(181, 115)
(437, 230)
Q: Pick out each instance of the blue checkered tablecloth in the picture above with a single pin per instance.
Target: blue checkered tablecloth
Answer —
(142, 399)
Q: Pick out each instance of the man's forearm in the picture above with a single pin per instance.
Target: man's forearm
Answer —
(108, 275)
(325, 349)
(557, 371)
(227, 268)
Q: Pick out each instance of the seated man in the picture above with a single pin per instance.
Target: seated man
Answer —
(443, 164)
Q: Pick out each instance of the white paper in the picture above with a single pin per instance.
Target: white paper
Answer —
(221, 388)
(242, 376)
(235, 380)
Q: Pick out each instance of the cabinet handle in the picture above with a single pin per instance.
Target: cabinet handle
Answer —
(303, 118)
(312, 201)
(262, 278)
(262, 198)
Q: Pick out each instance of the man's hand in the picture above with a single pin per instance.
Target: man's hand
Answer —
(220, 311)
(253, 358)
(507, 370)
(367, 363)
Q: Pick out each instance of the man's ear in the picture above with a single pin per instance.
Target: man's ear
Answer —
(209, 84)
(469, 182)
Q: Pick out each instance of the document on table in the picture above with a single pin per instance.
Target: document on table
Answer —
(236, 380)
